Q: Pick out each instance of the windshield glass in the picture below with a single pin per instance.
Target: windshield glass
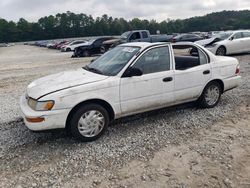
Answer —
(91, 41)
(223, 36)
(112, 62)
(126, 34)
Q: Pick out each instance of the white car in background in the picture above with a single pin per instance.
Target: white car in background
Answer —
(72, 45)
(226, 43)
(129, 79)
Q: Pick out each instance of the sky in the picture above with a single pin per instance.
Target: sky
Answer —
(159, 10)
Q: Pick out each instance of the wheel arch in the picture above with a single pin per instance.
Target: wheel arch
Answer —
(215, 80)
(101, 102)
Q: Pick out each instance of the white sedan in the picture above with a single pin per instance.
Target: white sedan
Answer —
(129, 79)
(72, 45)
(226, 43)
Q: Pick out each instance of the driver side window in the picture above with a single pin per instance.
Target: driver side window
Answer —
(154, 60)
(237, 36)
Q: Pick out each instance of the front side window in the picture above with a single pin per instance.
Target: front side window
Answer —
(112, 62)
(154, 60)
(188, 56)
(237, 36)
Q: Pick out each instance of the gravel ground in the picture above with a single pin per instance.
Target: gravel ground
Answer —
(132, 144)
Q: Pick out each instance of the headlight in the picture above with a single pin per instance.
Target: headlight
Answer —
(40, 105)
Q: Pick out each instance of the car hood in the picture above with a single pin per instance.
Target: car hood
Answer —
(61, 81)
(208, 41)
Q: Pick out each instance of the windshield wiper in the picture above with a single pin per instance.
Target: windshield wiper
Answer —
(93, 70)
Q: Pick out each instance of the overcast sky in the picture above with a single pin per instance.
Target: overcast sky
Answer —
(148, 9)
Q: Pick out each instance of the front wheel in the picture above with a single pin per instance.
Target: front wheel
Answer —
(211, 95)
(89, 122)
(221, 51)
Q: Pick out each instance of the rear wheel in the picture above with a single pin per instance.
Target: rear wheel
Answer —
(89, 122)
(211, 95)
(68, 50)
(221, 51)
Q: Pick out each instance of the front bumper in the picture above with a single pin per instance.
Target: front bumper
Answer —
(212, 49)
(54, 119)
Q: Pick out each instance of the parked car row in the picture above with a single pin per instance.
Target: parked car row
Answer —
(6, 44)
(81, 48)
(219, 43)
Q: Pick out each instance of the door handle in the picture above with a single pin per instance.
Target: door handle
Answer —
(206, 72)
(168, 79)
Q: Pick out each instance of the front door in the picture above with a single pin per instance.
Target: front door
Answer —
(236, 43)
(152, 90)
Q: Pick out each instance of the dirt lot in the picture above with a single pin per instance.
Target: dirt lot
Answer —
(181, 146)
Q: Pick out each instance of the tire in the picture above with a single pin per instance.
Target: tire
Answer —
(211, 95)
(83, 128)
(85, 53)
(221, 51)
(68, 50)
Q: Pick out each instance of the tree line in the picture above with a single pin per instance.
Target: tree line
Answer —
(69, 24)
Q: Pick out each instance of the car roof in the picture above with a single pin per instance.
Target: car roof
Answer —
(143, 44)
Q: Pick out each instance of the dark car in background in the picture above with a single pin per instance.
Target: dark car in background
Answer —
(91, 47)
(187, 38)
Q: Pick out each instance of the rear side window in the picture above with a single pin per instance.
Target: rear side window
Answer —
(188, 56)
(144, 35)
(154, 60)
(246, 34)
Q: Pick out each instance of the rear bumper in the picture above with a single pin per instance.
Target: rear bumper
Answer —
(232, 82)
(54, 119)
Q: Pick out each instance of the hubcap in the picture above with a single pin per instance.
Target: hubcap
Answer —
(221, 52)
(91, 123)
(212, 95)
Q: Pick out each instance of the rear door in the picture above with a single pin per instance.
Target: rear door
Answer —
(192, 72)
(246, 37)
(154, 89)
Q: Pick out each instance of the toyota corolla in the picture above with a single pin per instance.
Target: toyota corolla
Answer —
(129, 79)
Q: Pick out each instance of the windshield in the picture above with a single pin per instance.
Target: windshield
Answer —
(91, 41)
(126, 34)
(112, 62)
(223, 35)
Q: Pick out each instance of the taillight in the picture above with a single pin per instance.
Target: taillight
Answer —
(237, 72)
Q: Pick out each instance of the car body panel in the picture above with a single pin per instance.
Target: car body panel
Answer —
(126, 95)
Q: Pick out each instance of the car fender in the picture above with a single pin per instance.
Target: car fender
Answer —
(107, 90)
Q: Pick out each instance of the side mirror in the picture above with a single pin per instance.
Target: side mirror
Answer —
(232, 38)
(131, 71)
